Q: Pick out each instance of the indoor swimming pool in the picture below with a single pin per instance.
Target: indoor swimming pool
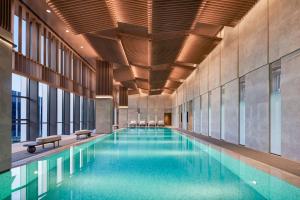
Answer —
(142, 163)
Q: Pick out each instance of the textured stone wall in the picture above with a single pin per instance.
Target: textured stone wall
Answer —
(269, 32)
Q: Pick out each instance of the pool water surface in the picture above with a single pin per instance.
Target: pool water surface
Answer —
(145, 163)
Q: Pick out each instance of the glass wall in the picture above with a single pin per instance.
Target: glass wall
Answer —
(71, 113)
(275, 105)
(59, 112)
(19, 108)
(16, 32)
(43, 109)
(242, 111)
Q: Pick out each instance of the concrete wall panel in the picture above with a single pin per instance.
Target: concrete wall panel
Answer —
(229, 55)
(257, 109)
(253, 39)
(214, 69)
(290, 87)
(284, 27)
(216, 113)
(230, 101)
(204, 114)
(204, 76)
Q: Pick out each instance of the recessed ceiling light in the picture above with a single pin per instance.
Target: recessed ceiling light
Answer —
(81, 47)
(67, 31)
(48, 11)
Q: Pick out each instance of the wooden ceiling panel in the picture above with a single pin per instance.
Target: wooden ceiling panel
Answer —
(83, 16)
(140, 72)
(196, 48)
(172, 84)
(224, 12)
(158, 78)
(136, 49)
(142, 83)
(173, 15)
(131, 11)
(149, 36)
(110, 50)
(165, 51)
(179, 73)
(123, 74)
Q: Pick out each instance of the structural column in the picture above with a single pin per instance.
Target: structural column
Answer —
(104, 97)
(5, 100)
(123, 107)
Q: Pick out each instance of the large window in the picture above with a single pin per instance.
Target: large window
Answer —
(242, 111)
(16, 31)
(81, 112)
(24, 37)
(275, 102)
(71, 112)
(43, 109)
(19, 108)
(59, 112)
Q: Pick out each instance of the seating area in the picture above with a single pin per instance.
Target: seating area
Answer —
(53, 139)
(31, 146)
(145, 124)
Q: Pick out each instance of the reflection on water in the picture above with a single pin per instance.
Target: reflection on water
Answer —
(142, 164)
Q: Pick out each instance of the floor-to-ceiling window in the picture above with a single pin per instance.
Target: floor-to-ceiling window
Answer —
(23, 37)
(43, 109)
(242, 124)
(81, 112)
(59, 111)
(16, 31)
(19, 108)
(71, 112)
(275, 105)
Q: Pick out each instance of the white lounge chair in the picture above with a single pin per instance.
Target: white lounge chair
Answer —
(160, 123)
(132, 124)
(142, 123)
(151, 123)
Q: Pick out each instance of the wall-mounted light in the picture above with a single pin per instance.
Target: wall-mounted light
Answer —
(48, 11)
(123, 106)
(67, 31)
(81, 47)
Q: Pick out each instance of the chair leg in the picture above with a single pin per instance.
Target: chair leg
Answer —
(53, 144)
(43, 146)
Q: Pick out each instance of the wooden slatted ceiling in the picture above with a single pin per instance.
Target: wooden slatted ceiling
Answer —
(196, 48)
(224, 12)
(173, 15)
(136, 49)
(147, 34)
(131, 11)
(83, 16)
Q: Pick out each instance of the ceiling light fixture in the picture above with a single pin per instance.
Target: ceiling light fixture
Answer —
(81, 47)
(67, 31)
(48, 11)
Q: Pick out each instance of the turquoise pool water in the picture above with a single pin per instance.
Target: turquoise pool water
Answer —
(142, 164)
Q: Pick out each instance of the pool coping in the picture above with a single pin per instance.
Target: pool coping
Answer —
(267, 168)
(56, 150)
